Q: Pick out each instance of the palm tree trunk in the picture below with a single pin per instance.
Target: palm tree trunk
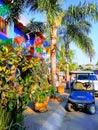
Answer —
(53, 35)
(67, 64)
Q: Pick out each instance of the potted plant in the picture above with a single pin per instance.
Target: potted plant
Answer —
(42, 97)
(34, 77)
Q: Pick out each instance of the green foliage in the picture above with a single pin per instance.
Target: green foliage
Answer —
(3, 121)
(88, 69)
(73, 66)
(97, 64)
(41, 93)
(21, 81)
(62, 62)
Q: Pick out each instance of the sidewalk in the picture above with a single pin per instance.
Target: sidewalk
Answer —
(50, 120)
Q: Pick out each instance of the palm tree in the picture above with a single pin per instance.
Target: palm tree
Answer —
(77, 28)
(77, 33)
(52, 10)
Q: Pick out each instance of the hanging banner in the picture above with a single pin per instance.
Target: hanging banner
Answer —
(40, 35)
(6, 42)
(30, 37)
(31, 41)
(38, 41)
(39, 49)
(27, 44)
(31, 50)
(4, 10)
(46, 43)
(38, 54)
(47, 49)
(19, 39)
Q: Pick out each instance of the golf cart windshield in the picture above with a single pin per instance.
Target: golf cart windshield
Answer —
(82, 80)
(83, 75)
(86, 77)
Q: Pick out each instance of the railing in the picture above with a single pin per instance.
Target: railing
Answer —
(3, 25)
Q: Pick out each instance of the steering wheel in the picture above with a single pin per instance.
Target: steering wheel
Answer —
(87, 85)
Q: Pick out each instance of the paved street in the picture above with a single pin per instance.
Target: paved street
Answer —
(80, 121)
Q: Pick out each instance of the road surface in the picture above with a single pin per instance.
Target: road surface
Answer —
(80, 121)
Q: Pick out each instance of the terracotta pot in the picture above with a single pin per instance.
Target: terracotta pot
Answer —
(41, 106)
(60, 89)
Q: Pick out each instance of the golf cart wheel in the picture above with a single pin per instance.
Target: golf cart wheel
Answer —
(91, 108)
(70, 107)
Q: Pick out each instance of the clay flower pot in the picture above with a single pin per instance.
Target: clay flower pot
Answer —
(60, 89)
(41, 106)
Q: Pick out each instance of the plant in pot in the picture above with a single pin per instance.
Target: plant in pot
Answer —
(41, 99)
(34, 77)
(42, 94)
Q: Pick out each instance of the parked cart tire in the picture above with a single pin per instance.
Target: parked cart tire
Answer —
(70, 107)
(91, 109)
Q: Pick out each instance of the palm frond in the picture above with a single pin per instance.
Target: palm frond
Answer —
(36, 26)
(81, 12)
(16, 8)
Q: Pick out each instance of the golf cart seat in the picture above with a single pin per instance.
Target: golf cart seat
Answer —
(83, 86)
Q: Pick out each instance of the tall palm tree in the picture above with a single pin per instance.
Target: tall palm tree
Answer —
(77, 33)
(52, 10)
(77, 28)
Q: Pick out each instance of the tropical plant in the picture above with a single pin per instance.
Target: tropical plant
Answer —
(10, 91)
(19, 79)
(97, 64)
(40, 94)
(61, 64)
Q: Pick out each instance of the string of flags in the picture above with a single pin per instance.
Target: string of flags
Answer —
(35, 45)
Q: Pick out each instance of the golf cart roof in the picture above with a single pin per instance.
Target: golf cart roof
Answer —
(81, 72)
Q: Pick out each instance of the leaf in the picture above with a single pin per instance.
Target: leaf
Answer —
(10, 106)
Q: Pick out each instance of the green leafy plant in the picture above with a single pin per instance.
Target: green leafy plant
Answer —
(21, 81)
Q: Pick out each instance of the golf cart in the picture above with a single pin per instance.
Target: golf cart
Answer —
(81, 95)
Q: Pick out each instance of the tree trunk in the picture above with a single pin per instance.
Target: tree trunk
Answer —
(53, 35)
(67, 64)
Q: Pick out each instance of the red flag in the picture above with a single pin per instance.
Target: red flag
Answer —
(19, 39)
